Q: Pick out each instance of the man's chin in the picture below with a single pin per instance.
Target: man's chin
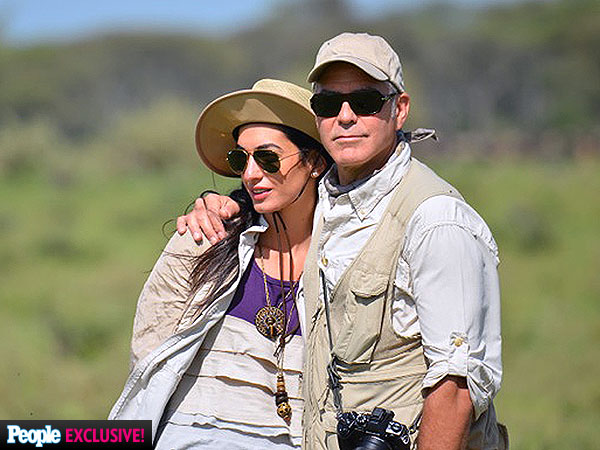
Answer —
(350, 159)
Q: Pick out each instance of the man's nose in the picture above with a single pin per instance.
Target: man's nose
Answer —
(346, 114)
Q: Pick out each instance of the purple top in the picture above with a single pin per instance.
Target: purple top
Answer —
(250, 297)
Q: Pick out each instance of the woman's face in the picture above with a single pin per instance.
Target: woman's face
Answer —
(272, 192)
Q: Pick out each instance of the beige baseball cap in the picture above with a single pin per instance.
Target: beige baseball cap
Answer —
(372, 54)
(269, 101)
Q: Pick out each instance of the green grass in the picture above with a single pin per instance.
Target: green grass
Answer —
(74, 253)
(73, 259)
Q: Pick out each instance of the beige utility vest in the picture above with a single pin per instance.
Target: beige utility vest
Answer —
(378, 368)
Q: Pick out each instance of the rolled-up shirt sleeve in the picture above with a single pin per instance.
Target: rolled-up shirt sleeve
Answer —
(453, 274)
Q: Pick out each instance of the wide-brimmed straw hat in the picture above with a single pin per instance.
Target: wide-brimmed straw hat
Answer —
(269, 101)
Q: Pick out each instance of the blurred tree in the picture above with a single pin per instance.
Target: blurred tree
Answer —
(530, 66)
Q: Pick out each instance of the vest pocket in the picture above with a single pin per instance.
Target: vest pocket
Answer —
(361, 316)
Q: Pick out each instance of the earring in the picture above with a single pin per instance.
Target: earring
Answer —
(314, 174)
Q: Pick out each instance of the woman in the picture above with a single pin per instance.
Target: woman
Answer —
(217, 347)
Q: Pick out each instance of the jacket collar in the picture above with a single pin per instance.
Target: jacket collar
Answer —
(251, 235)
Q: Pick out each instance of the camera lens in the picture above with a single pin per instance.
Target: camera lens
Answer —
(370, 442)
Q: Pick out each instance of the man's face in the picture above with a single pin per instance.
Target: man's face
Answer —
(359, 144)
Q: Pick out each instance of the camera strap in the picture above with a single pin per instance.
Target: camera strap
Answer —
(333, 377)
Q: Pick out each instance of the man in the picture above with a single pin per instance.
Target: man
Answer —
(408, 307)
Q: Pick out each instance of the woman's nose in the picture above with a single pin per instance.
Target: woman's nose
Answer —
(252, 170)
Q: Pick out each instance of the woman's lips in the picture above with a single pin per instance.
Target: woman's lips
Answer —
(259, 193)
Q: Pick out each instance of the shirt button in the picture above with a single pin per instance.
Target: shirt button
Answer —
(324, 260)
(458, 341)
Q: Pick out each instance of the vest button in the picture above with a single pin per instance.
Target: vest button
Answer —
(324, 260)
(458, 341)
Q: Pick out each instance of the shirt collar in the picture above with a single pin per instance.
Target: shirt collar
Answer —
(365, 194)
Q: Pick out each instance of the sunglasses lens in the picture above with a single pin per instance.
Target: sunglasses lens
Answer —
(267, 160)
(237, 160)
(366, 102)
(326, 104)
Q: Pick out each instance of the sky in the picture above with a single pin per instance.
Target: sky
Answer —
(31, 21)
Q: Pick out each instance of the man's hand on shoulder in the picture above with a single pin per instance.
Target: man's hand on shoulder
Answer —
(207, 217)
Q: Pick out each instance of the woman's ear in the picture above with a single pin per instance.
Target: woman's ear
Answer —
(319, 166)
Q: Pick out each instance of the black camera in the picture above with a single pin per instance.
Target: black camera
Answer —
(371, 431)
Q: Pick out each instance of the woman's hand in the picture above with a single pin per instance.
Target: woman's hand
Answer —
(207, 217)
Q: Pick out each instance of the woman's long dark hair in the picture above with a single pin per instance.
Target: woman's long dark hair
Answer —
(220, 261)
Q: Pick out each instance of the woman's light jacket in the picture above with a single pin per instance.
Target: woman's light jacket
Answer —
(170, 326)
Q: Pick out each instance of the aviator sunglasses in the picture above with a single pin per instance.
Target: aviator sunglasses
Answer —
(267, 160)
(363, 102)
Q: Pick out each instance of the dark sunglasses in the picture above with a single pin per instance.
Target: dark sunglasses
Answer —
(267, 160)
(364, 102)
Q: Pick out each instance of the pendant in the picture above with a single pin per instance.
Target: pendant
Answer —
(269, 321)
(282, 401)
(284, 410)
